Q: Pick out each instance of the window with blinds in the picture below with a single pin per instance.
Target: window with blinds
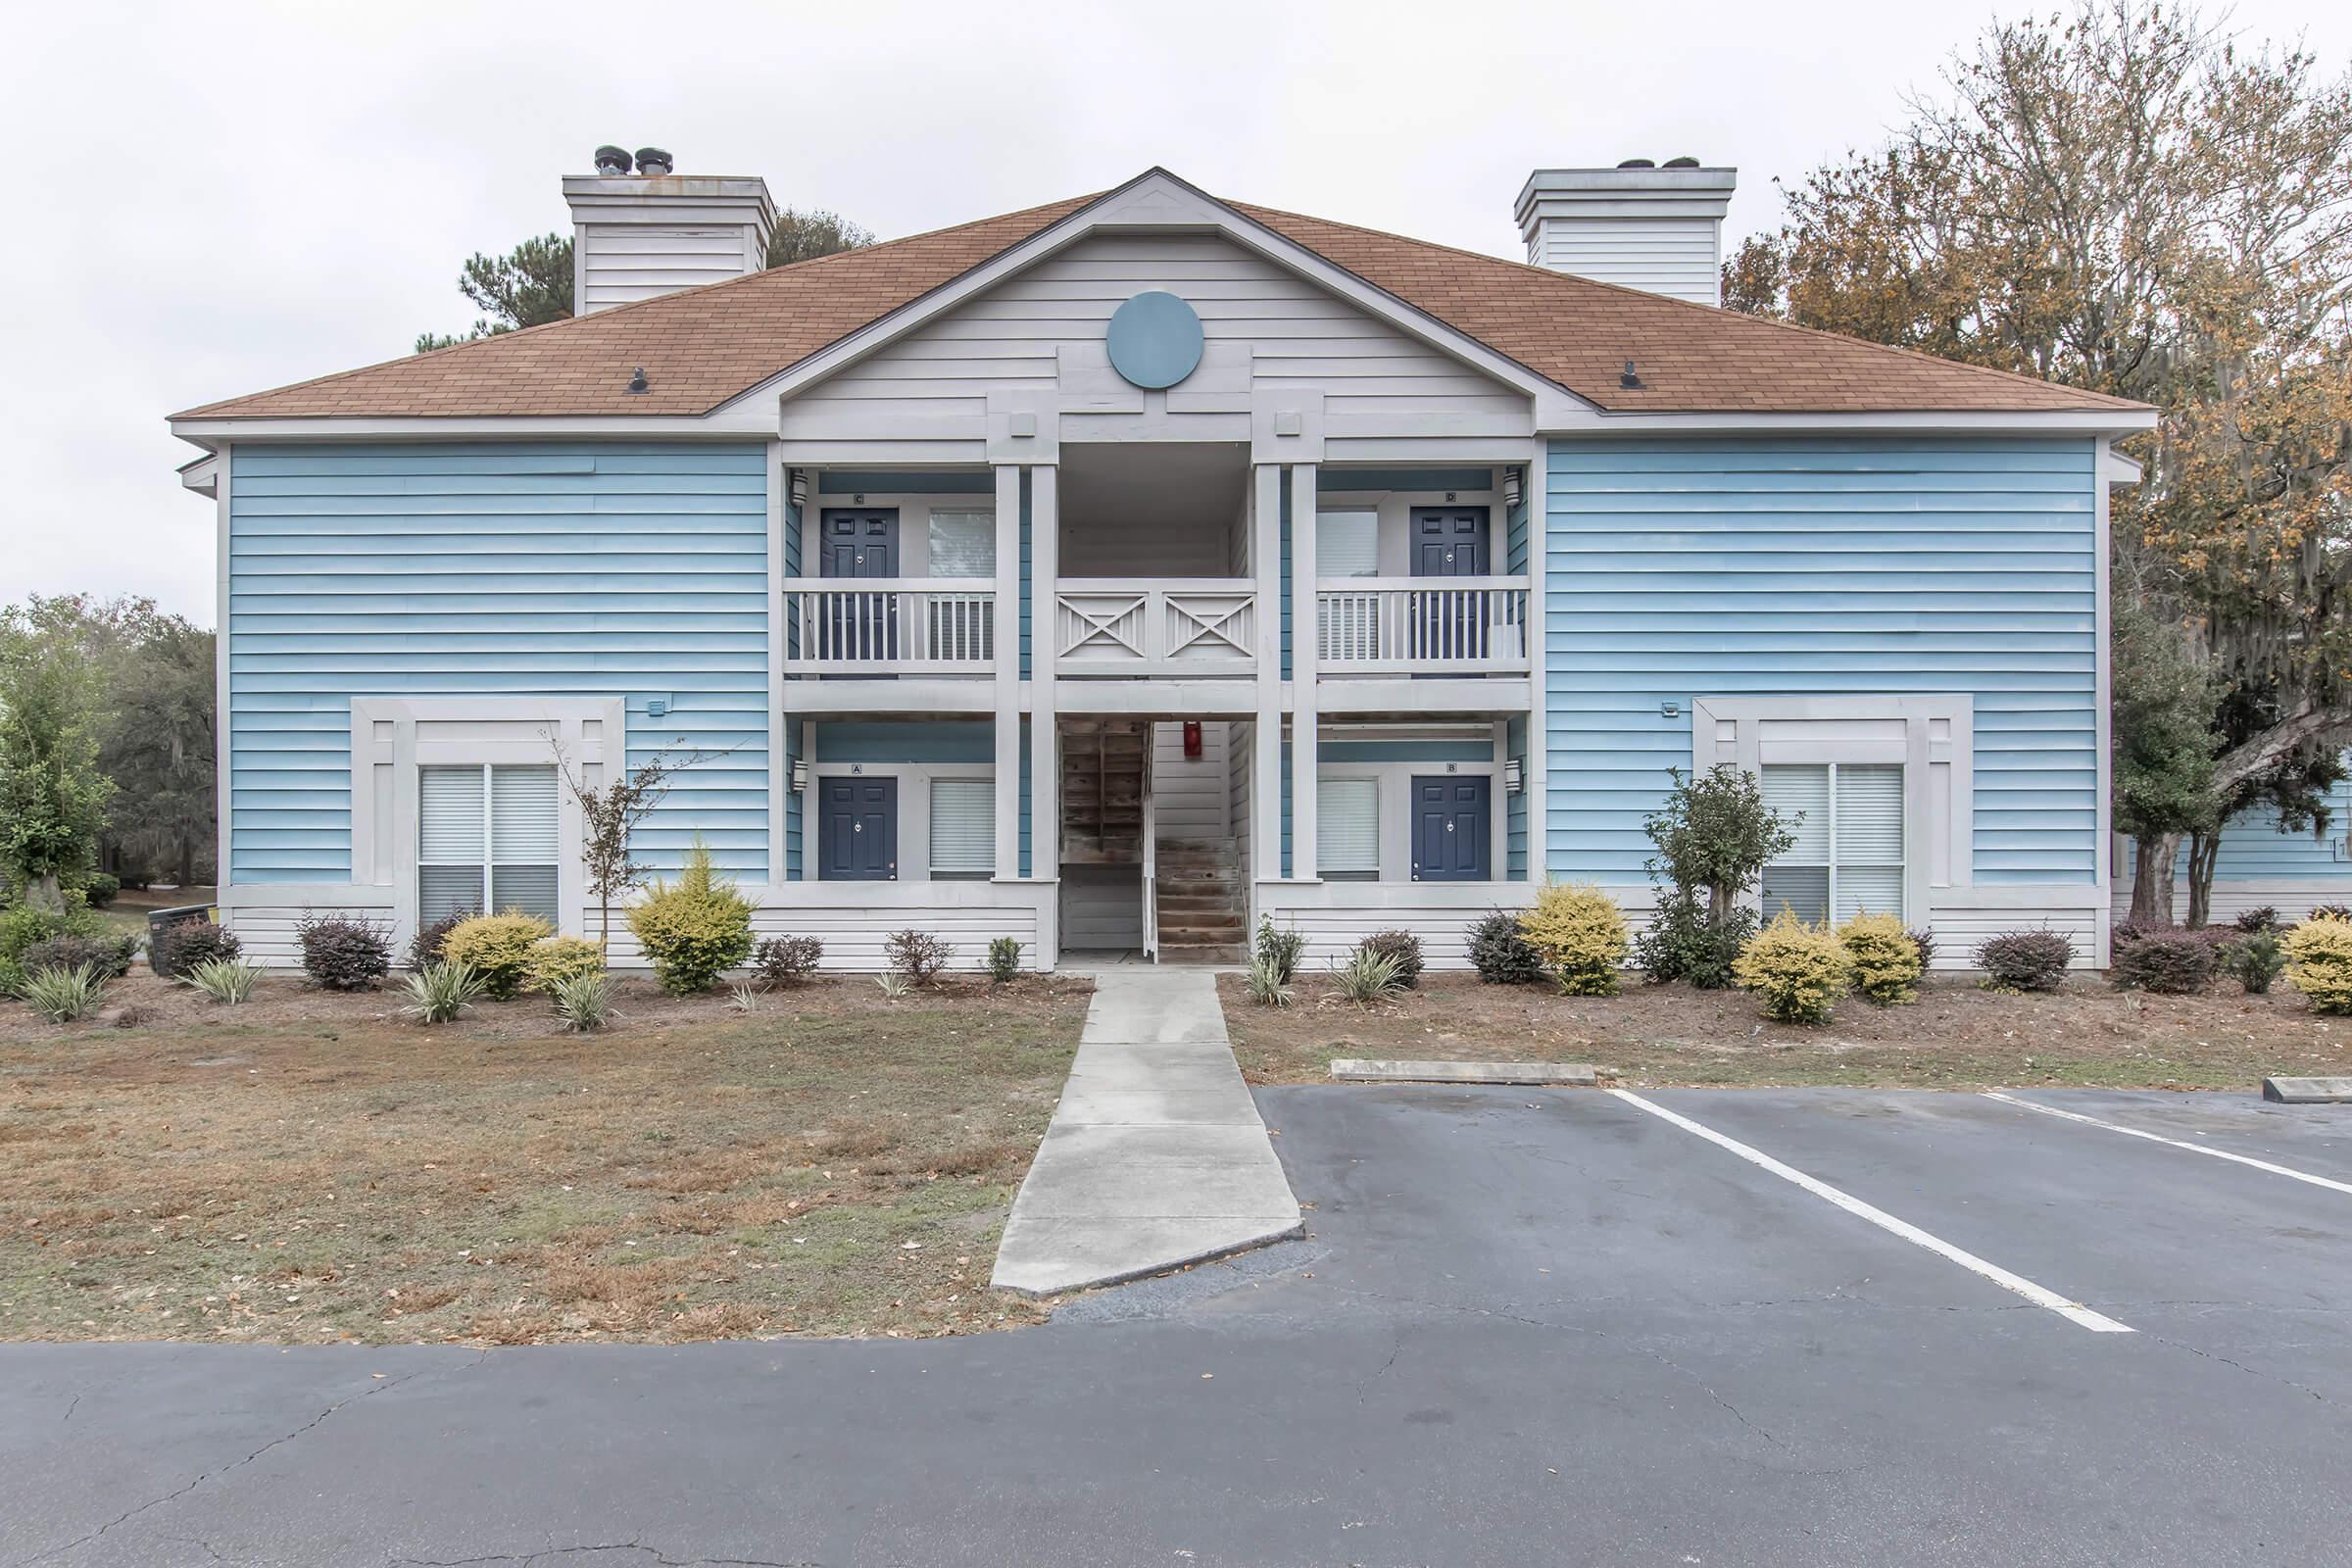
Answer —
(1348, 544)
(1848, 856)
(963, 827)
(486, 839)
(1348, 829)
(964, 544)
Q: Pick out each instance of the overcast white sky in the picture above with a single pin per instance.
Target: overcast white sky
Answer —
(205, 200)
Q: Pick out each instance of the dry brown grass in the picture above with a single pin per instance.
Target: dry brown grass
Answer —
(312, 1168)
(1956, 1035)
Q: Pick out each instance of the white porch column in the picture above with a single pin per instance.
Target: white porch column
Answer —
(1265, 766)
(1533, 775)
(1044, 728)
(1007, 633)
(1304, 647)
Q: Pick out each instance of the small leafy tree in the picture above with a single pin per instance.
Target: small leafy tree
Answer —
(528, 286)
(609, 815)
(804, 236)
(1713, 835)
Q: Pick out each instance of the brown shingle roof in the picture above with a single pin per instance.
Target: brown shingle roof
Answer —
(704, 346)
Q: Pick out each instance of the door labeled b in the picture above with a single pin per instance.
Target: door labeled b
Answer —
(858, 830)
(1453, 828)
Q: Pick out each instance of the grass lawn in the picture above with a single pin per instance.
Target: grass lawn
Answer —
(1956, 1036)
(310, 1167)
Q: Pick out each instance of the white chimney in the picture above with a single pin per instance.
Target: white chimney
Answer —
(634, 236)
(1658, 229)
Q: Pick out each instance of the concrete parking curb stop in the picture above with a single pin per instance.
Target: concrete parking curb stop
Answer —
(1360, 1070)
(2307, 1091)
(1156, 1157)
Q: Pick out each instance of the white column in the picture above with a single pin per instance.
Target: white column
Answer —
(1008, 613)
(1266, 768)
(1534, 772)
(1044, 728)
(1303, 650)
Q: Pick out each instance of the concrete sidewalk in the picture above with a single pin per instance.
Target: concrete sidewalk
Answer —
(1157, 1157)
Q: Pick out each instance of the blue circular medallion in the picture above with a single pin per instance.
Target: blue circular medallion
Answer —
(1154, 340)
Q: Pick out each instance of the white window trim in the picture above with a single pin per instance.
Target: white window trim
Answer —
(1396, 781)
(386, 752)
(1936, 729)
(914, 811)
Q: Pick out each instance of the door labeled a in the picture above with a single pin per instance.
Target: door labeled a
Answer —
(858, 829)
(1453, 828)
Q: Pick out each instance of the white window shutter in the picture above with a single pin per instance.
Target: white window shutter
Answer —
(1347, 825)
(964, 826)
(449, 814)
(1800, 793)
(522, 816)
(964, 544)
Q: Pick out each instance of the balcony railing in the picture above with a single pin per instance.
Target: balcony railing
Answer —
(1182, 626)
(1421, 625)
(890, 626)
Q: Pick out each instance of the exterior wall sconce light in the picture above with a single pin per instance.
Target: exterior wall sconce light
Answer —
(799, 774)
(799, 487)
(1511, 784)
(1512, 487)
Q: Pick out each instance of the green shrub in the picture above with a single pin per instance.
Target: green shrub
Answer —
(2169, 964)
(2026, 960)
(1267, 986)
(110, 954)
(1798, 971)
(1884, 958)
(1279, 950)
(786, 962)
(1367, 977)
(1578, 932)
(2319, 963)
(2254, 961)
(424, 948)
(1500, 954)
(61, 995)
(916, 956)
(1684, 941)
(497, 947)
(23, 925)
(344, 952)
(1924, 939)
(99, 888)
(228, 982)
(746, 997)
(553, 959)
(894, 985)
(693, 930)
(2263, 918)
(583, 1001)
(1003, 959)
(1404, 947)
(439, 992)
(183, 945)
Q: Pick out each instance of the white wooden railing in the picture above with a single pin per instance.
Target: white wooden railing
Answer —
(1421, 625)
(1161, 627)
(888, 626)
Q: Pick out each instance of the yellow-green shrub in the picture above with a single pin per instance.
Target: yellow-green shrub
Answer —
(557, 958)
(1883, 956)
(1580, 934)
(2319, 963)
(694, 930)
(497, 947)
(1798, 971)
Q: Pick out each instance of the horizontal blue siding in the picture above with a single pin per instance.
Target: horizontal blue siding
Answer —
(894, 740)
(1515, 826)
(2253, 850)
(1679, 569)
(636, 571)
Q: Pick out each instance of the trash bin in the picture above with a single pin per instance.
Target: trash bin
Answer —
(159, 920)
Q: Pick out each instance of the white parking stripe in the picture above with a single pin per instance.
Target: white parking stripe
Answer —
(2072, 1311)
(2328, 1182)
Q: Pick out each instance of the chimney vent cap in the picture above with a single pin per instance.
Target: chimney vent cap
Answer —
(653, 161)
(1637, 163)
(610, 159)
(1681, 163)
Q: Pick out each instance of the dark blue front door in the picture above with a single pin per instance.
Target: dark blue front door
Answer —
(860, 544)
(1450, 542)
(858, 829)
(1453, 829)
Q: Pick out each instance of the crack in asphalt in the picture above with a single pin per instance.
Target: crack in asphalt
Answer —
(2250, 1371)
(177, 1493)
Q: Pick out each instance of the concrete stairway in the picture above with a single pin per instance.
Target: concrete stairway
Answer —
(1203, 902)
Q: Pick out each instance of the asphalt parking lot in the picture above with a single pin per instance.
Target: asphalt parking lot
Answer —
(1528, 1326)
